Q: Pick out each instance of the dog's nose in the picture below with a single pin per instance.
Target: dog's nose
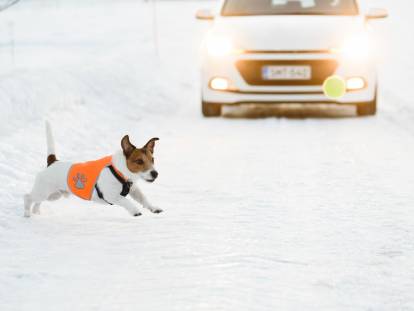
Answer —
(154, 174)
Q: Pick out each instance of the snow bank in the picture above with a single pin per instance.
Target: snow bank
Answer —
(57, 56)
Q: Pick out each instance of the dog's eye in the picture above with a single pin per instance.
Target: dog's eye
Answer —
(139, 162)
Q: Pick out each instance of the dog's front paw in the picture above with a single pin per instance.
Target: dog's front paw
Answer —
(156, 210)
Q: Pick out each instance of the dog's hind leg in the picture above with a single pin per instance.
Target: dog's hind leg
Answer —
(40, 192)
(36, 209)
(27, 205)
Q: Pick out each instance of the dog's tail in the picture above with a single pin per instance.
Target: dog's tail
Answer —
(51, 153)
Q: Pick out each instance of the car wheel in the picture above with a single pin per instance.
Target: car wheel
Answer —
(367, 109)
(211, 110)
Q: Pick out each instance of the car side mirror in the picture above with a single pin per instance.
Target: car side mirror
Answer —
(376, 13)
(205, 14)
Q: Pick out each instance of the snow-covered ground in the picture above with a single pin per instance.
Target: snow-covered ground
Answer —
(267, 214)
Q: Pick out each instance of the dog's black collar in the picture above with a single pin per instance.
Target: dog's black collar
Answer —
(126, 184)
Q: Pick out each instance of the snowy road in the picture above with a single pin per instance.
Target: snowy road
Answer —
(267, 214)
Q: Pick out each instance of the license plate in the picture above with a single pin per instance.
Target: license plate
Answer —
(287, 72)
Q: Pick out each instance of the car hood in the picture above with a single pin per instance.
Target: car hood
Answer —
(288, 32)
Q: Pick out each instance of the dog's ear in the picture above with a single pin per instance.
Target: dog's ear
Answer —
(151, 144)
(127, 147)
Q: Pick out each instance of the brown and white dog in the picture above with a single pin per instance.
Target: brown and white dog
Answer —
(109, 180)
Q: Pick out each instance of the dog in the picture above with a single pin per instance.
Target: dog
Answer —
(109, 180)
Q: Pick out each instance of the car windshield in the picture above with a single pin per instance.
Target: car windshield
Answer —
(289, 7)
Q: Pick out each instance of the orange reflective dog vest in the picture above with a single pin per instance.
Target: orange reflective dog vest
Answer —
(83, 177)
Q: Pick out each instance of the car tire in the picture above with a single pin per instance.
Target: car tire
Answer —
(211, 109)
(367, 109)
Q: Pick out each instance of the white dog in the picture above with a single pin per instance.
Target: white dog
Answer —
(109, 180)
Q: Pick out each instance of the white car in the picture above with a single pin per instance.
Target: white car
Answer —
(282, 51)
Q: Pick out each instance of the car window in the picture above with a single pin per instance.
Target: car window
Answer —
(289, 7)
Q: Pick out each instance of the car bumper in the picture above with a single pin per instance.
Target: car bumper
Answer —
(242, 92)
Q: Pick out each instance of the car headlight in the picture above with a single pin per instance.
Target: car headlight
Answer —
(218, 45)
(357, 47)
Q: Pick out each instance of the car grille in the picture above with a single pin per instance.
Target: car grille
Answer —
(251, 71)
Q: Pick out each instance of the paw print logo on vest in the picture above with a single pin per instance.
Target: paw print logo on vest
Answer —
(80, 181)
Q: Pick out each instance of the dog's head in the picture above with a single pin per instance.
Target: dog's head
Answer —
(140, 161)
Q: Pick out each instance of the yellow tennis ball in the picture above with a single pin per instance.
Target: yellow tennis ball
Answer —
(334, 87)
